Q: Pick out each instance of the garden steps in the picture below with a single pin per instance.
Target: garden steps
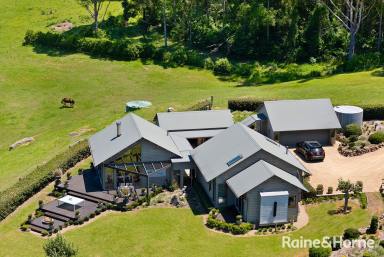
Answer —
(56, 216)
(38, 225)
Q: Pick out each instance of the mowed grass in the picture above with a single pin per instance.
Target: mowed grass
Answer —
(170, 232)
(32, 83)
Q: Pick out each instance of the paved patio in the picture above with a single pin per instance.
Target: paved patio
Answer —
(368, 168)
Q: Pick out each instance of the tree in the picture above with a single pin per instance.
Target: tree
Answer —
(374, 225)
(129, 10)
(346, 187)
(165, 23)
(380, 10)
(59, 247)
(94, 8)
(350, 14)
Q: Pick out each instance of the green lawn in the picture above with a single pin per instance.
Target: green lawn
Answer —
(168, 232)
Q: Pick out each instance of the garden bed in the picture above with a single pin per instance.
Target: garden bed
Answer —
(355, 141)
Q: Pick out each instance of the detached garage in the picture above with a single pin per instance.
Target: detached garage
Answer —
(291, 121)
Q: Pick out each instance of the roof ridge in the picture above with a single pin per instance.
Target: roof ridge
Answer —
(136, 126)
(247, 131)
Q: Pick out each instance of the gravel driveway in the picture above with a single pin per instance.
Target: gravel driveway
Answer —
(368, 168)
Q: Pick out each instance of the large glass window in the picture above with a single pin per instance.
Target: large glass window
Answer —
(133, 154)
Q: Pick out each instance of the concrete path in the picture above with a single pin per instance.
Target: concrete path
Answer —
(375, 203)
(368, 168)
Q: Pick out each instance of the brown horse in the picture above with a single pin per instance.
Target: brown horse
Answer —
(68, 102)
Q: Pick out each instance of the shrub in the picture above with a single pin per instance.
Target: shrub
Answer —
(381, 243)
(209, 64)
(24, 227)
(179, 56)
(376, 138)
(352, 130)
(222, 67)
(132, 52)
(27, 186)
(374, 225)
(148, 51)
(351, 233)
(195, 59)
(363, 200)
(319, 252)
(320, 189)
(330, 190)
(353, 139)
(58, 246)
(44, 233)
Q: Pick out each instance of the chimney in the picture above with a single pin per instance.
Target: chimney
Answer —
(118, 128)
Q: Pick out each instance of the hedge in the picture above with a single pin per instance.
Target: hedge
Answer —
(40, 177)
(235, 229)
(371, 112)
(244, 104)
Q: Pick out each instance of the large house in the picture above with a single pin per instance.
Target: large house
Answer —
(235, 165)
(291, 121)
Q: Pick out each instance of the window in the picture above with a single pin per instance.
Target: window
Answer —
(234, 160)
(222, 190)
(210, 186)
(274, 209)
(292, 201)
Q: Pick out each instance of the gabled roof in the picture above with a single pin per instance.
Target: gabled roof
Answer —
(195, 120)
(296, 115)
(104, 144)
(234, 145)
(258, 173)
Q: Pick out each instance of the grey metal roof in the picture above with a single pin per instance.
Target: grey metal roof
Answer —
(197, 133)
(195, 120)
(258, 173)
(296, 115)
(238, 140)
(104, 144)
(252, 119)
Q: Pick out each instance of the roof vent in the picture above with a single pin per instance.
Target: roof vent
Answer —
(118, 128)
(234, 160)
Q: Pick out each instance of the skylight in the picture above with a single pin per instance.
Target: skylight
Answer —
(234, 160)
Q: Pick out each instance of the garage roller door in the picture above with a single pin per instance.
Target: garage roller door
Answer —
(292, 137)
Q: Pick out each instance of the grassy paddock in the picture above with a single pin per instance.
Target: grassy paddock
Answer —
(33, 81)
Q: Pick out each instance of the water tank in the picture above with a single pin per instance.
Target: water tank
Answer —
(349, 114)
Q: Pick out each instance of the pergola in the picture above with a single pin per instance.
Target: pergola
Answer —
(71, 200)
(143, 169)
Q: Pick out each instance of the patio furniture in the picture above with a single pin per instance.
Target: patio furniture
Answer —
(71, 200)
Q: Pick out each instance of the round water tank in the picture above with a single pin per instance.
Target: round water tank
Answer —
(349, 114)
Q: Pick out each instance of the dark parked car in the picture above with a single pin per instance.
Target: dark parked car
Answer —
(311, 150)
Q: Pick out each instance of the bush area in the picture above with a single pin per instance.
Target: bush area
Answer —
(41, 176)
(174, 56)
(351, 233)
(236, 229)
